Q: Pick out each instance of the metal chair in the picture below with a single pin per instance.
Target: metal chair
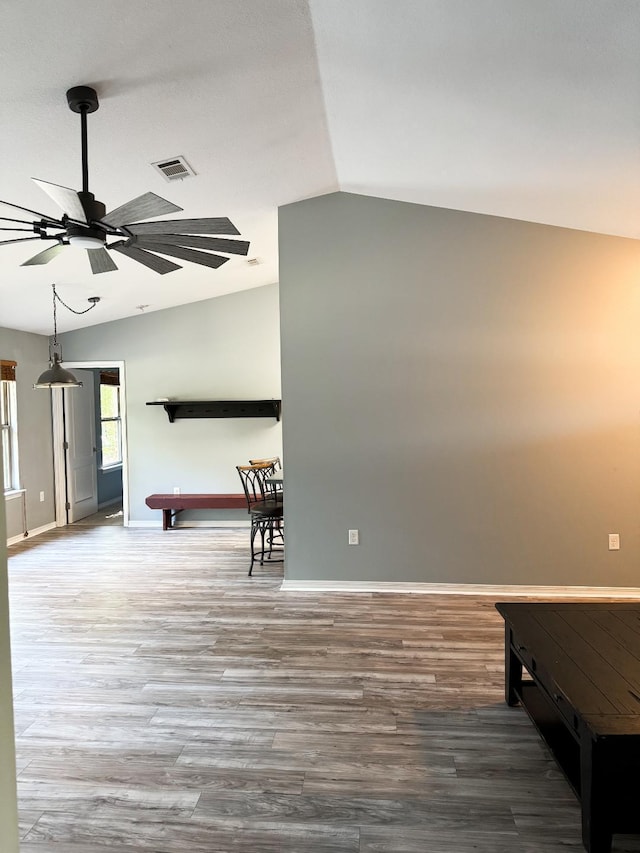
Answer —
(274, 460)
(273, 465)
(266, 512)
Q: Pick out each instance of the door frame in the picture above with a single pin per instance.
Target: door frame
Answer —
(59, 464)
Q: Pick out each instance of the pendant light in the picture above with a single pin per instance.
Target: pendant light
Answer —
(56, 376)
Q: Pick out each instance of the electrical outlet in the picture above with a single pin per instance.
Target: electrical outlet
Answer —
(176, 490)
(354, 537)
(41, 497)
(614, 541)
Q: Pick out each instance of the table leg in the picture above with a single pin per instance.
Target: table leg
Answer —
(512, 668)
(596, 826)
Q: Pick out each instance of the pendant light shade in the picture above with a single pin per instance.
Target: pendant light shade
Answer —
(56, 376)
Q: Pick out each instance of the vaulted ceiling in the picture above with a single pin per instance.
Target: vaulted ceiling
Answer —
(519, 109)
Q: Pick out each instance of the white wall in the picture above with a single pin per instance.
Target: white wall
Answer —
(223, 348)
(464, 389)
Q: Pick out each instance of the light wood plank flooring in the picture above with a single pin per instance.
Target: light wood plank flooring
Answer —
(167, 703)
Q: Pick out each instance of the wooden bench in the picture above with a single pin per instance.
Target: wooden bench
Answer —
(172, 505)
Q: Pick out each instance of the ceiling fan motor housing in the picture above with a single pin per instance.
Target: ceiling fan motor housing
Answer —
(93, 209)
(87, 236)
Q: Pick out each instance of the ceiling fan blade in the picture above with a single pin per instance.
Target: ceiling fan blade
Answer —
(100, 261)
(219, 225)
(35, 212)
(205, 259)
(17, 229)
(19, 221)
(67, 200)
(160, 265)
(143, 207)
(44, 257)
(24, 239)
(218, 244)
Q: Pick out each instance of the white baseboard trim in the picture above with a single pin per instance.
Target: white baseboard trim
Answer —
(21, 537)
(472, 589)
(213, 524)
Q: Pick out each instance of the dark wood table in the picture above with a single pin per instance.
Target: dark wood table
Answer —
(583, 695)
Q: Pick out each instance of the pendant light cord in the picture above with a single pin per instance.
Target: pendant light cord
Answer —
(55, 318)
(56, 298)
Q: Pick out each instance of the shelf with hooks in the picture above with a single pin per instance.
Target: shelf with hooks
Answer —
(178, 409)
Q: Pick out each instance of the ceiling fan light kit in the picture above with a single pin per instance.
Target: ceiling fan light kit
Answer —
(85, 223)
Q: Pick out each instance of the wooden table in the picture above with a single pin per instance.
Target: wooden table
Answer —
(583, 695)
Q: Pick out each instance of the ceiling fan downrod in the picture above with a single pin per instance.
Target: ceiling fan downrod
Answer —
(84, 100)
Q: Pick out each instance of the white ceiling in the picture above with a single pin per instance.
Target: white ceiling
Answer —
(520, 109)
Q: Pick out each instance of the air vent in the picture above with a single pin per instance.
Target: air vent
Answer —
(174, 169)
(253, 262)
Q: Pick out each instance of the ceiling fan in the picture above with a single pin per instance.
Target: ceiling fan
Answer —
(86, 224)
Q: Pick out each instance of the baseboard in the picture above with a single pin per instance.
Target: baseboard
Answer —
(492, 590)
(212, 525)
(21, 536)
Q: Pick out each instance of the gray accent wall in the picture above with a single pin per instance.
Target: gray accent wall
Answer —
(36, 474)
(35, 448)
(227, 348)
(464, 390)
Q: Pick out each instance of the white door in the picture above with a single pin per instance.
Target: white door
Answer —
(80, 448)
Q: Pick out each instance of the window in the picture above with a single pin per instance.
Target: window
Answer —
(8, 426)
(110, 422)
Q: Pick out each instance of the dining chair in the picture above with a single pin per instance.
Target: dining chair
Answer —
(274, 465)
(266, 511)
(272, 461)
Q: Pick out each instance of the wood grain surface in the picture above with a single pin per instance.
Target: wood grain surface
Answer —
(167, 703)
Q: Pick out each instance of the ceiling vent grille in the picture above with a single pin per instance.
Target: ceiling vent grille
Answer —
(174, 169)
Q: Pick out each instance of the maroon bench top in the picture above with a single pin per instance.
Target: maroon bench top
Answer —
(171, 505)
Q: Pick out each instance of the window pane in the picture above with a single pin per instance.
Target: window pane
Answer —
(109, 401)
(6, 458)
(110, 443)
(8, 436)
(4, 403)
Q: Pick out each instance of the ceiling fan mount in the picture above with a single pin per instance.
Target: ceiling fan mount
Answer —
(82, 99)
(86, 224)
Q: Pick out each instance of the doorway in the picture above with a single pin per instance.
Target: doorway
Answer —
(90, 477)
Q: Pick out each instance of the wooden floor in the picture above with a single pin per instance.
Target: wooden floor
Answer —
(166, 702)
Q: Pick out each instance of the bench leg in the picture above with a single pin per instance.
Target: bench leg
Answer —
(596, 826)
(512, 669)
(166, 519)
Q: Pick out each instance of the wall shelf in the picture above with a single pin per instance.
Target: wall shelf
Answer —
(177, 409)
